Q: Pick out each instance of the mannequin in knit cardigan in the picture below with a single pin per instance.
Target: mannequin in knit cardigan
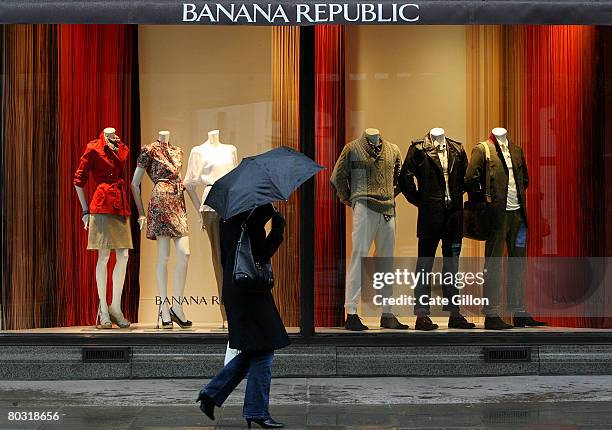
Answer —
(366, 179)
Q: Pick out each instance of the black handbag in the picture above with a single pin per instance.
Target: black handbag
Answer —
(478, 213)
(250, 275)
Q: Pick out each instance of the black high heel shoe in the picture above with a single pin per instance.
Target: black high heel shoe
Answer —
(165, 324)
(182, 324)
(207, 405)
(265, 424)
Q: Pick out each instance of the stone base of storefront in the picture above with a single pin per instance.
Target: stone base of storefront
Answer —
(485, 354)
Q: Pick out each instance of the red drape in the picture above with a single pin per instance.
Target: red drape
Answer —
(98, 76)
(62, 85)
(329, 141)
(561, 135)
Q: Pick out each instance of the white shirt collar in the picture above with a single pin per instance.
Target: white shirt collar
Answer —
(438, 145)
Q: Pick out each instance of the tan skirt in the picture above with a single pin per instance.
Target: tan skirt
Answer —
(108, 231)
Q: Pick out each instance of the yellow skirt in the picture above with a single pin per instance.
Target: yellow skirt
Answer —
(107, 231)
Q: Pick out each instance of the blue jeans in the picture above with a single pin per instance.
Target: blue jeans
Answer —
(258, 366)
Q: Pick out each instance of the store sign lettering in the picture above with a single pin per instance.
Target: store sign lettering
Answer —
(300, 13)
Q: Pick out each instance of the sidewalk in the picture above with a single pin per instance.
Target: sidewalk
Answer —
(544, 402)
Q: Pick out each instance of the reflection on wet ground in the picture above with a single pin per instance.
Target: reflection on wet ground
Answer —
(540, 416)
(511, 402)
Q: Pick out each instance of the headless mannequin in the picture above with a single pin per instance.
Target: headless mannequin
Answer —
(501, 134)
(213, 140)
(103, 257)
(181, 245)
(373, 135)
(438, 135)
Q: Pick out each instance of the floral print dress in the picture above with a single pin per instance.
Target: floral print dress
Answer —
(167, 215)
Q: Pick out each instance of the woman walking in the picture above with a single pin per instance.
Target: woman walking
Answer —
(254, 324)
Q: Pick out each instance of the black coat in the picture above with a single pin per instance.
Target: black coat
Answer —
(429, 192)
(499, 174)
(253, 320)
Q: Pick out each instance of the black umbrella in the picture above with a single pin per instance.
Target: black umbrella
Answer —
(262, 179)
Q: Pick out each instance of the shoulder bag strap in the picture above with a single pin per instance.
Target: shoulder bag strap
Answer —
(244, 226)
(487, 152)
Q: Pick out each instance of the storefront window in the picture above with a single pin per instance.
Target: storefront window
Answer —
(423, 98)
(404, 117)
(187, 103)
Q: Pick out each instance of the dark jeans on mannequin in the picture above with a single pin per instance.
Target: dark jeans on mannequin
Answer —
(512, 233)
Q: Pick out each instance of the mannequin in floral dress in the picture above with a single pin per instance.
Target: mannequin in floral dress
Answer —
(166, 220)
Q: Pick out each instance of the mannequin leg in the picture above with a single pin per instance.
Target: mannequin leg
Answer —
(101, 279)
(211, 224)
(180, 274)
(119, 278)
(163, 255)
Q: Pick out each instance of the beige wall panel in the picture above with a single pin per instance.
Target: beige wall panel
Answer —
(404, 81)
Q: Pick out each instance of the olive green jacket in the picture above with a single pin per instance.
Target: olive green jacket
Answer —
(498, 172)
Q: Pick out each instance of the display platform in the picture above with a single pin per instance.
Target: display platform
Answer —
(135, 329)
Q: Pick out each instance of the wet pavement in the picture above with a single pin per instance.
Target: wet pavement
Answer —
(538, 402)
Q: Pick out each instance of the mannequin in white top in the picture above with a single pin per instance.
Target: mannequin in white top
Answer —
(207, 163)
(101, 266)
(181, 245)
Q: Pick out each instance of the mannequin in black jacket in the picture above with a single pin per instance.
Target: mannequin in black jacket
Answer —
(438, 164)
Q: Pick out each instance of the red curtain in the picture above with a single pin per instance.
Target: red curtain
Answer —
(98, 88)
(62, 85)
(329, 141)
(560, 132)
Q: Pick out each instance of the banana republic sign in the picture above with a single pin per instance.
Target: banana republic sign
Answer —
(306, 12)
(300, 13)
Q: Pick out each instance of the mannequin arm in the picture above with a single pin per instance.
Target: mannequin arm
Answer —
(83, 200)
(193, 196)
(474, 175)
(136, 180)
(340, 176)
(406, 177)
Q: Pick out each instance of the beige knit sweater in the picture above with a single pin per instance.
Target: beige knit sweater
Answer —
(361, 174)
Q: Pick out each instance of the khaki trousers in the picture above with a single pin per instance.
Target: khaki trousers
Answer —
(210, 223)
(369, 227)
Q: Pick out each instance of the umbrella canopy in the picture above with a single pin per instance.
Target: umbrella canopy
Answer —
(259, 180)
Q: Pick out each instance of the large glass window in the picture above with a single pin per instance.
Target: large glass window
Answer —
(411, 123)
(186, 103)
(424, 98)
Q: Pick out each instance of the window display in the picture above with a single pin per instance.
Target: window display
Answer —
(207, 163)
(166, 220)
(438, 164)
(366, 179)
(107, 218)
(511, 118)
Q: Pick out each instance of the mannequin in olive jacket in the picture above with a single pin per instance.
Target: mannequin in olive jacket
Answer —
(508, 181)
(438, 164)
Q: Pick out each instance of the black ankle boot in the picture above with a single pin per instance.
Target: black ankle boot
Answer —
(423, 322)
(353, 323)
(265, 424)
(527, 321)
(207, 405)
(459, 321)
(390, 321)
(495, 323)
